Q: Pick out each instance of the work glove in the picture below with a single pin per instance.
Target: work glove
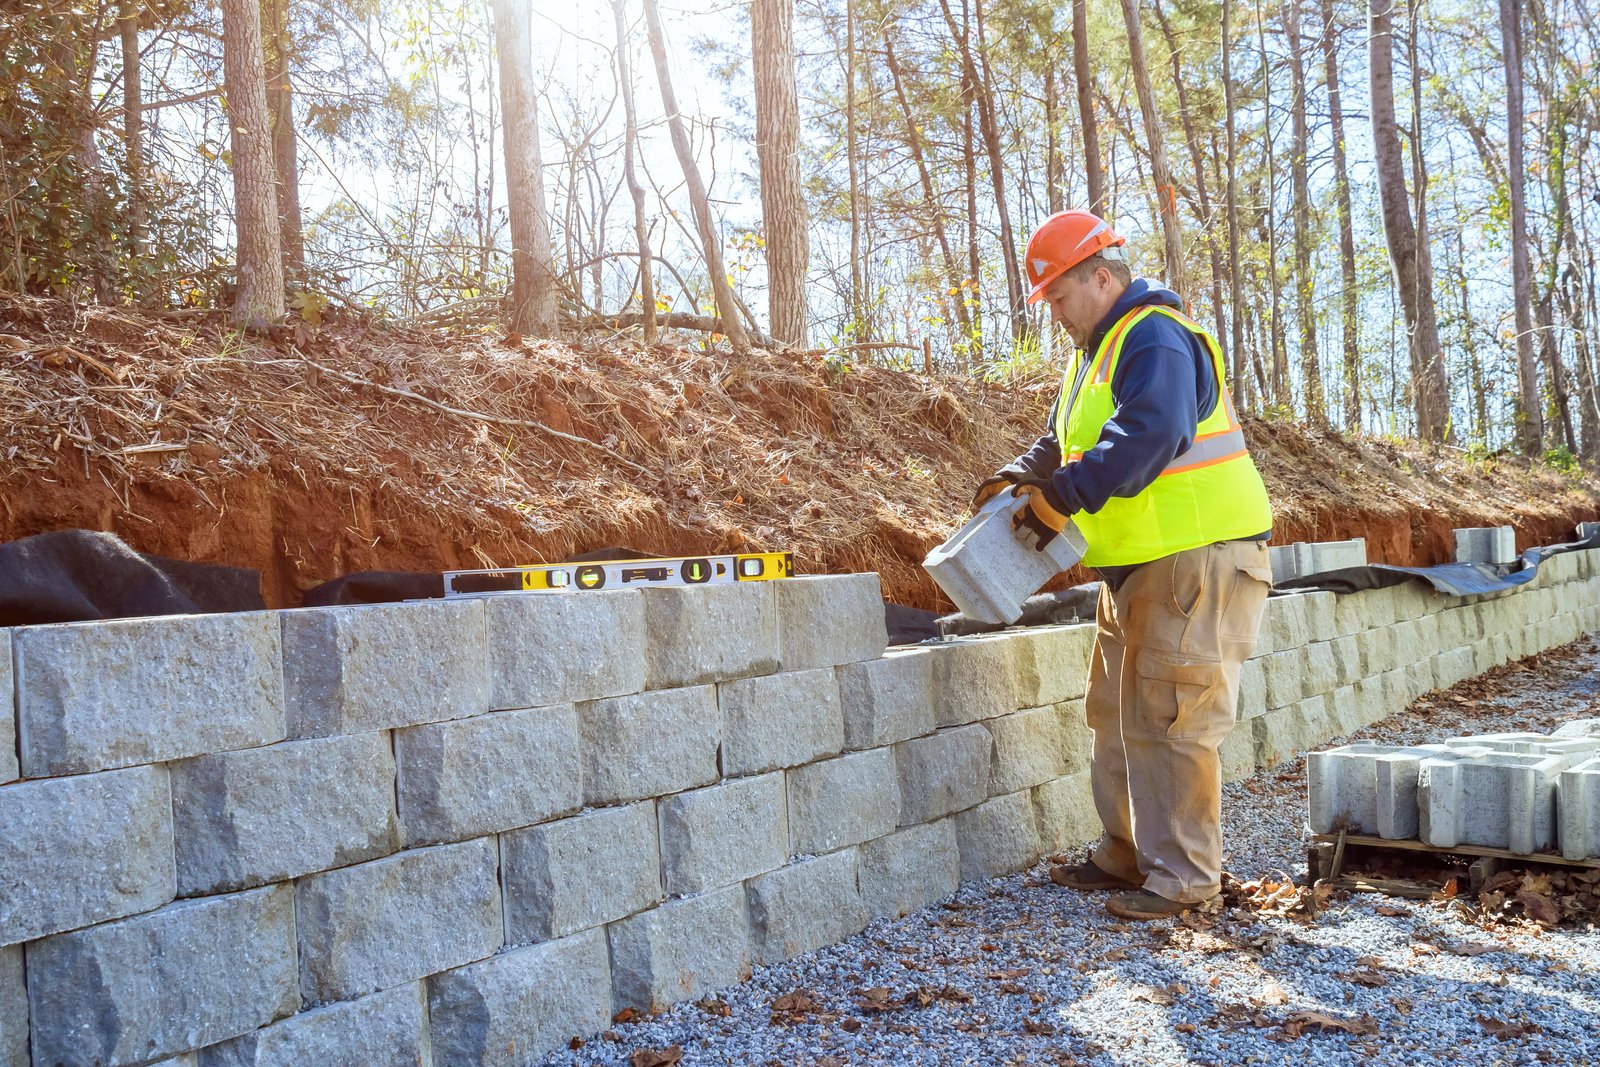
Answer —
(1044, 517)
(990, 489)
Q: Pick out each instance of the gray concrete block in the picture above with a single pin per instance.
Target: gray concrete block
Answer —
(1574, 748)
(973, 679)
(1578, 728)
(941, 773)
(842, 801)
(1499, 799)
(1343, 708)
(649, 744)
(1237, 753)
(1486, 544)
(1303, 558)
(13, 1009)
(98, 695)
(487, 774)
(681, 950)
(263, 815)
(1028, 750)
(558, 649)
(508, 1009)
(575, 873)
(805, 906)
(909, 869)
(81, 850)
(1077, 741)
(341, 665)
(1319, 671)
(1350, 614)
(831, 619)
(1283, 624)
(1347, 663)
(8, 714)
(396, 920)
(388, 1029)
(1252, 689)
(189, 975)
(998, 837)
(723, 834)
(709, 633)
(1366, 788)
(1319, 615)
(1577, 811)
(887, 700)
(1064, 813)
(1300, 727)
(780, 720)
(1051, 662)
(1284, 674)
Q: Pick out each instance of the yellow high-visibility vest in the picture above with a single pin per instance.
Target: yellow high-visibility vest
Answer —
(1210, 492)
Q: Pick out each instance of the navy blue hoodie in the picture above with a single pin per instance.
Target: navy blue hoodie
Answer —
(1164, 381)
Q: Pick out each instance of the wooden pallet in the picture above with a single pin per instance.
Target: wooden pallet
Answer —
(1326, 855)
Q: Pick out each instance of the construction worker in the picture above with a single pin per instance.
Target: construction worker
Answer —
(1145, 455)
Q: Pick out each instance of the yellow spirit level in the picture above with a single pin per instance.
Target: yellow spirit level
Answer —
(621, 574)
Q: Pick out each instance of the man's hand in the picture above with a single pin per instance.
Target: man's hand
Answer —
(990, 489)
(1042, 518)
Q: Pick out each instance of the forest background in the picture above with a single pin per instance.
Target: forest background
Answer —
(1386, 212)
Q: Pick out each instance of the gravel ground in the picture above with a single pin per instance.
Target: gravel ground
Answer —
(1020, 971)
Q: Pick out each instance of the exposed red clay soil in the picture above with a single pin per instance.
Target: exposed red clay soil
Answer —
(311, 454)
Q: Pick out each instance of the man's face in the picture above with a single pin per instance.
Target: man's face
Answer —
(1080, 305)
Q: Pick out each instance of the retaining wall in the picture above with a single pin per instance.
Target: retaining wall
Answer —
(463, 832)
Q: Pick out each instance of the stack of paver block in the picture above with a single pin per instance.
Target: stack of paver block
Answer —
(1304, 558)
(1522, 792)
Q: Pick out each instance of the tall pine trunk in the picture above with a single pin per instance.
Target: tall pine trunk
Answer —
(534, 304)
(258, 299)
(1530, 411)
(133, 145)
(1280, 369)
(783, 207)
(285, 150)
(1160, 172)
(630, 141)
(1347, 239)
(1084, 79)
(1241, 387)
(1304, 224)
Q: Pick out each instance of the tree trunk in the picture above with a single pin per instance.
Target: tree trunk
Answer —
(956, 292)
(533, 308)
(1399, 233)
(1433, 384)
(1053, 183)
(859, 330)
(1084, 78)
(1160, 172)
(641, 233)
(1347, 239)
(783, 207)
(1235, 278)
(989, 128)
(133, 144)
(1530, 411)
(285, 153)
(970, 159)
(1305, 300)
(1280, 359)
(258, 299)
(704, 223)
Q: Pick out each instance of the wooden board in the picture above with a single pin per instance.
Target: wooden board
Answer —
(1462, 850)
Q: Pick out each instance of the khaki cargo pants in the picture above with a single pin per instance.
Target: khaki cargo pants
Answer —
(1163, 693)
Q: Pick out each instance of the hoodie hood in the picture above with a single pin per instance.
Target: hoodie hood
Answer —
(1140, 292)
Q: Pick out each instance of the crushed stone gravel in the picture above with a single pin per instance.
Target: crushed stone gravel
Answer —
(1020, 971)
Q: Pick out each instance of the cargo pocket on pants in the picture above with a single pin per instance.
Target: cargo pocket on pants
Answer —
(1179, 697)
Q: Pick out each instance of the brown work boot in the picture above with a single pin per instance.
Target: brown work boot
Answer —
(1143, 904)
(1087, 876)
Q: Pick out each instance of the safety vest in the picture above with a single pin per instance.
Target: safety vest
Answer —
(1210, 492)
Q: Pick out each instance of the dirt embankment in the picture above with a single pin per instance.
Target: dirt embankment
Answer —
(310, 455)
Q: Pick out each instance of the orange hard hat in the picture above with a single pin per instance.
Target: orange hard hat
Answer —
(1064, 240)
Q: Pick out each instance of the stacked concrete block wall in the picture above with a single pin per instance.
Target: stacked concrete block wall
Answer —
(481, 827)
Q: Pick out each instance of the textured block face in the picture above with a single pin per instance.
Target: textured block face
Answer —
(1498, 799)
(842, 801)
(805, 906)
(192, 974)
(508, 1008)
(1284, 673)
(780, 720)
(709, 633)
(1283, 624)
(909, 869)
(649, 744)
(721, 835)
(1252, 689)
(1346, 653)
(1577, 813)
(580, 872)
(1297, 728)
(1350, 614)
(396, 920)
(8, 713)
(269, 814)
(1366, 788)
(1578, 728)
(486, 774)
(1486, 544)
(1063, 811)
(1574, 748)
(97, 695)
(972, 680)
(559, 649)
(1320, 674)
(351, 669)
(998, 837)
(1077, 742)
(944, 772)
(387, 1029)
(681, 950)
(1237, 753)
(1028, 750)
(81, 850)
(1318, 608)
(830, 619)
(13, 1009)
(1051, 663)
(887, 700)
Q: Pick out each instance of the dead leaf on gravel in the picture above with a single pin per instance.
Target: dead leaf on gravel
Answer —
(714, 1006)
(878, 998)
(1115, 955)
(1391, 911)
(1506, 1031)
(1184, 1028)
(1367, 977)
(1274, 994)
(1295, 1025)
(926, 995)
(626, 1015)
(1006, 976)
(850, 1026)
(1159, 997)
(1401, 1005)
(1038, 1029)
(670, 1056)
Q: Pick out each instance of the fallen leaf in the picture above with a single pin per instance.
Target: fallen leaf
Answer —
(1540, 908)
(1006, 976)
(1114, 955)
(1401, 1005)
(850, 1026)
(878, 998)
(1158, 997)
(1367, 977)
(798, 1002)
(1391, 911)
(576, 1043)
(1506, 1031)
(1295, 1025)
(626, 1015)
(1184, 1028)
(713, 1006)
(670, 1056)
(1274, 994)
(1038, 1029)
